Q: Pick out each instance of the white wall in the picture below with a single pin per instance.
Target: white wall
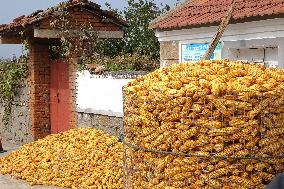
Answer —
(264, 56)
(100, 95)
(264, 51)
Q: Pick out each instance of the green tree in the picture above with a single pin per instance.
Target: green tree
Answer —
(139, 38)
(140, 48)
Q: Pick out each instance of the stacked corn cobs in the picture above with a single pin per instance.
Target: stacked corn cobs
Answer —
(81, 158)
(224, 111)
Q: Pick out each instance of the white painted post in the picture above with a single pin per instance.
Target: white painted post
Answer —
(281, 53)
(225, 51)
(180, 51)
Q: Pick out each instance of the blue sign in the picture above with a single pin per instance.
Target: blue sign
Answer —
(194, 52)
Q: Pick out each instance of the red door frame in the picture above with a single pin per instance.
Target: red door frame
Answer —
(60, 110)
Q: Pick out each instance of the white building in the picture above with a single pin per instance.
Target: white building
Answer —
(255, 33)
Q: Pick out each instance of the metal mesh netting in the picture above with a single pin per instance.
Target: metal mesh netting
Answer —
(208, 125)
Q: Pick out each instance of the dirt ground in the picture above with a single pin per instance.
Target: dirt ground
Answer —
(7, 182)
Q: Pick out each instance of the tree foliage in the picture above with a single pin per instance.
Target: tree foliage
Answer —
(138, 37)
(11, 75)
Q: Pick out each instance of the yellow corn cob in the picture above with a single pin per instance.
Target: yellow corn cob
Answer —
(79, 158)
(210, 108)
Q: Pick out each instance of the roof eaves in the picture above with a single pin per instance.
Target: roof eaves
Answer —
(168, 13)
(108, 16)
(23, 21)
(233, 21)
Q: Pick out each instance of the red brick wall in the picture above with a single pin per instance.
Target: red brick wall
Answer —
(73, 92)
(39, 83)
(79, 18)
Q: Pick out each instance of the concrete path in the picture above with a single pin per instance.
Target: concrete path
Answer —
(7, 182)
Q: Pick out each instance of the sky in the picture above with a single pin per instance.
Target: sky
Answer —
(13, 8)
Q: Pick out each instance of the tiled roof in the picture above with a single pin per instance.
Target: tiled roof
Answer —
(195, 13)
(39, 15)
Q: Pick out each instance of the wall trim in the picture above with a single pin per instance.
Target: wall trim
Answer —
(100, 112)
(270, 28)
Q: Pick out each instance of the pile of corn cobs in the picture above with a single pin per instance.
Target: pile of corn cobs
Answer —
(79, 158)
(232, 114)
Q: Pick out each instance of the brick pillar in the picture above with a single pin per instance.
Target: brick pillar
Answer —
(39, 83)
(73, 91)
(169, 53)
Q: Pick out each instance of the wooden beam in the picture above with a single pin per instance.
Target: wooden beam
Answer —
(56, 34)
(110, 34)
(220, 32)
(49, 34)
(10, 40)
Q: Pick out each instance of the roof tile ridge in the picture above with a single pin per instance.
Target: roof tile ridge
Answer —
(174, 9)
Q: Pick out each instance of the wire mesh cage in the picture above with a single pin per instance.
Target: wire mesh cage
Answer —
(187, 134)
